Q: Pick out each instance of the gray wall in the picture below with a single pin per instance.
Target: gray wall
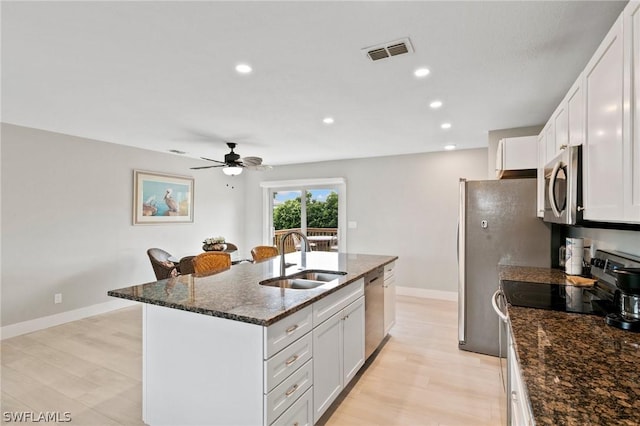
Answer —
(404, 205)
(67, 219)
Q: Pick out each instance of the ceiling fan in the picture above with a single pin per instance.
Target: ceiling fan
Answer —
(233, 164)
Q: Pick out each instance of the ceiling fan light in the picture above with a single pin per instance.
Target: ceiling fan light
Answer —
(232, 171)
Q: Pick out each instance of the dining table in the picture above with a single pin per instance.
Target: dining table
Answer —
(323, 242)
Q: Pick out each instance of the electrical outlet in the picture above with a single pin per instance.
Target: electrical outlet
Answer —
(57, 298)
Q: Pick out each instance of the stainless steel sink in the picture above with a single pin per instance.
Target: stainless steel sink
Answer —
(304, 280)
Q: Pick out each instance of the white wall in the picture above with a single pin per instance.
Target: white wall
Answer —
(67, 219)
(609, 239)
(403, 205)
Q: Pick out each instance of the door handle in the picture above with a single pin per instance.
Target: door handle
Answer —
(494, 303)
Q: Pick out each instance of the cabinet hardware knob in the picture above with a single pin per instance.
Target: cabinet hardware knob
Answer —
(292, 390)
(580, 208)
(292, 328)
(291, 360)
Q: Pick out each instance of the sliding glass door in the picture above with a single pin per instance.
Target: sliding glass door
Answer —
(313, 210)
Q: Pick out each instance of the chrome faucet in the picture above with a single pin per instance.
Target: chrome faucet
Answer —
(307, 248)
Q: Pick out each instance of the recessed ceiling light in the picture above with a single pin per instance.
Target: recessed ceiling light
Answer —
(421, 72)
(243, 68)
(435, 104)
(445, 125)
(328, 120)
(449, 147)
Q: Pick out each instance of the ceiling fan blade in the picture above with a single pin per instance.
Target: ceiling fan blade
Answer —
(252, 161)
(260, 167)
(206, 167)
(215, 161)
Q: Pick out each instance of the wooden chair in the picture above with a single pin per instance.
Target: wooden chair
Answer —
(260, 253)
(162, 266)
(211, 262)
(186, 265)
(231, 248)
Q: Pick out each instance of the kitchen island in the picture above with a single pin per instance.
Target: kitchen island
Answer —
(577, 370)
(223, 349)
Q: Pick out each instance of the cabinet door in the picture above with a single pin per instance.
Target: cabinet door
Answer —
(353, 337)
(550, 141)
(632, 151)
(603, 153)
(561, 127)
(542, 161)
(389, 303)
(575, 114)
(327, 364)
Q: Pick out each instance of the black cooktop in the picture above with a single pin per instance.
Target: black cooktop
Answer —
(585, 300)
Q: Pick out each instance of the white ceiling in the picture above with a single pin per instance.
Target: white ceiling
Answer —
(160, 75)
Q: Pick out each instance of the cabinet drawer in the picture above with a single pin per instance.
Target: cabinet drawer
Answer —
(288, 330)
(323, 309)
(389, 272)
(285, 362)
(300, 413)
(286, 393)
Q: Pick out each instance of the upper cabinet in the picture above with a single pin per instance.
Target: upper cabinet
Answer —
(542, 160)
(601, 111)
(632, 150)
(604, 83)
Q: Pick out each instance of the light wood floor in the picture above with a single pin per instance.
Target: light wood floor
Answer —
(92, 369)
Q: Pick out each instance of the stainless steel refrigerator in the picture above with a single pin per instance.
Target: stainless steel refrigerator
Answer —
(497, 225)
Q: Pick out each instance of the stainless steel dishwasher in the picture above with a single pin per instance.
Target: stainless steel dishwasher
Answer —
(374, 310)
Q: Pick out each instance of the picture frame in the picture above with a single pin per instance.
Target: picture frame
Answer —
(160, 198)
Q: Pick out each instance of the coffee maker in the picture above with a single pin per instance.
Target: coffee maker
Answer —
(620, 272)
(626, 299)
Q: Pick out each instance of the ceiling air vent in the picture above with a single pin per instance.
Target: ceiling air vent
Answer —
(386, 50)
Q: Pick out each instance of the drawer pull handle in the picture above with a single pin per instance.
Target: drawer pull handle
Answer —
(291, 360)
(292, 390)
(292, 328)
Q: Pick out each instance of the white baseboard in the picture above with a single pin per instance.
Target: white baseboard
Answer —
(25, 327)
(427, 294)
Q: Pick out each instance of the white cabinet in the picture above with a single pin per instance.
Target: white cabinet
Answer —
(605, 139)
(300, 413)
(575, 115)
(389, 297)
(561, 128)
(631, 173)
(353, 340)
(517, 398)
(338, 347)
(550, 141)
(199, 369)
(517, 153)
(542, 160)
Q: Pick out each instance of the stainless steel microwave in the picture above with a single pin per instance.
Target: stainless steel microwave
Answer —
(563, 187)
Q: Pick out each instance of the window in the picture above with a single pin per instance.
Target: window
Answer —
(315, 207)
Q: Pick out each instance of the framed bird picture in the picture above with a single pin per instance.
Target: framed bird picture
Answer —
(161, 198)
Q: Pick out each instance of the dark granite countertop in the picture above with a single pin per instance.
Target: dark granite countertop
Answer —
(577, 369)
(532, 274)
(235, 293)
